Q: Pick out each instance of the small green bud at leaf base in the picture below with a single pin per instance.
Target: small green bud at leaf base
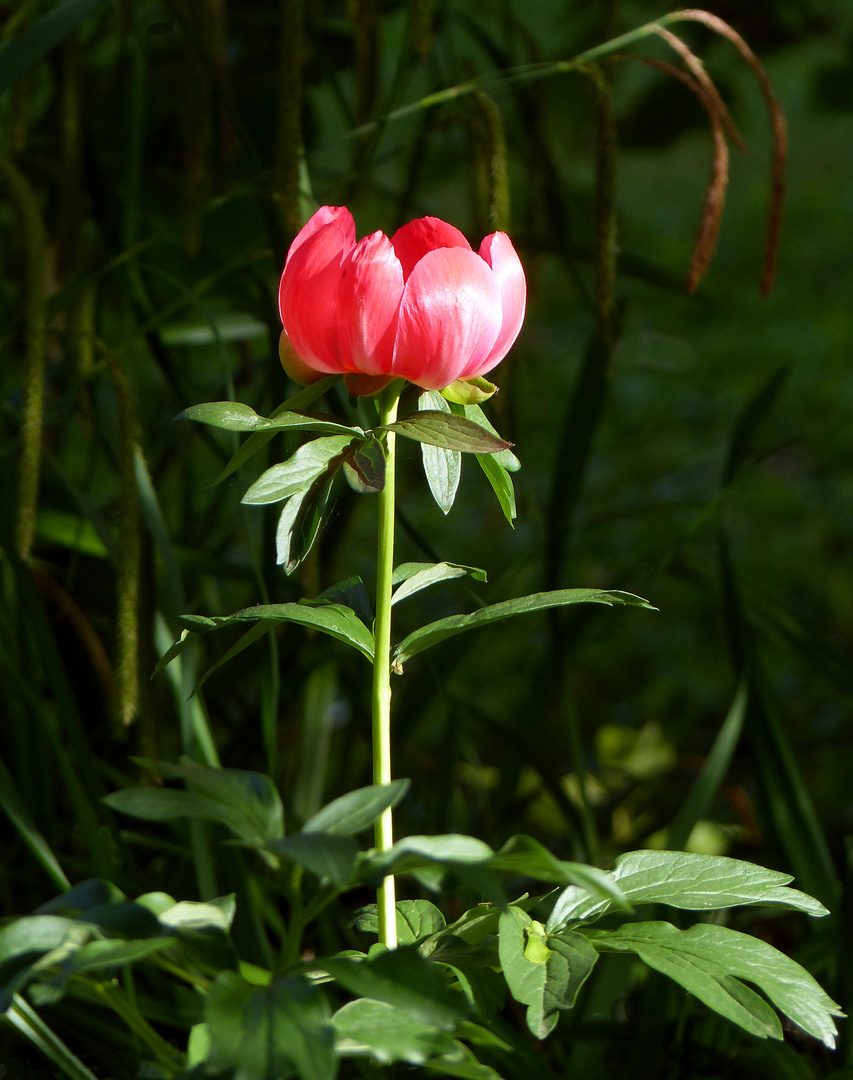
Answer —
(469, 391)
(536, 949)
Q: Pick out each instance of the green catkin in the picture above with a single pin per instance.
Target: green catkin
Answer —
(289, 145)
(422, 27)
(494, 141)
(129, 549)
(35, 302)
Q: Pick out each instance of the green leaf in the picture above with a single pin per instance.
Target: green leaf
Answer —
(469, 391)
(245, 802)
(543, 971)
(324, 854)
(299, 472)
(357, 810)
(388, 1033)
(525, 856)
(417, 576)
(416, 920)
(306, 396)
(713, 772)
(336, 620)
(16, 810)
(417, 852)
(501, 483)
(32, 943)
(685, 880)
(447, 430)
(443, 467)
(99, 956)
(364, 467)
(269, 1032)
(235, 416)
(18, 56)
(709, 961)
(402, 977)
(506, 458)
(300, 521)
(433, 633)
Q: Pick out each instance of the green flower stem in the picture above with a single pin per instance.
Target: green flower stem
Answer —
(381, 699)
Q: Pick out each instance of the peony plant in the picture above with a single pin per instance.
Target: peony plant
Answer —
(416, 321)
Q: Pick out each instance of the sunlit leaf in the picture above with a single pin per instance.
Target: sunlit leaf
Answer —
(709, 961)
(442, 467)
(299, 471)
(685, 880)
(417, 576)
(543, 971)
(435, 632)
(235, 416)
(449, 431)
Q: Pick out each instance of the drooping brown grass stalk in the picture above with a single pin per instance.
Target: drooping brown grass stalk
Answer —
(721, 123)
(780, 137)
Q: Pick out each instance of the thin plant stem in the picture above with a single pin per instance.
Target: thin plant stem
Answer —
(381, 698)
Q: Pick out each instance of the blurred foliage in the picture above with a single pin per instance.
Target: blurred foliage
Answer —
(157, 158)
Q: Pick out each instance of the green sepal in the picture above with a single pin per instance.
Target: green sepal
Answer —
(469, 391)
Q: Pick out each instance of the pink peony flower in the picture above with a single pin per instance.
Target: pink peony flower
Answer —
(421, 306)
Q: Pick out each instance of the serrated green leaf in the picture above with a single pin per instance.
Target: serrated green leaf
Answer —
(709, 961)
(324, 854)
(421, 575)
(364, 467)
(543, 972)
(685, 880)
(235, 416)
(357, 810)
(402, 977)
(388, 1034)
(442, 467)
(435, 632)
(299, 472)
(448, 430)
(264, 1033)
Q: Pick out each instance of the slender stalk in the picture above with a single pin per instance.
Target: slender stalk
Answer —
(381, 698)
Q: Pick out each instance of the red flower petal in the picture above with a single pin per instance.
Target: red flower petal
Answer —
(499, 253)
(413, 241)
(308, 290)
(450, 317)
(369, 292)
(326, 215)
